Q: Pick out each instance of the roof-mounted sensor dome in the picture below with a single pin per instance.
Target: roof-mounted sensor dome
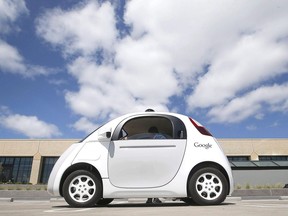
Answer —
(149, 110)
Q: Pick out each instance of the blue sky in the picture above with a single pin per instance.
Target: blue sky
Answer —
(66, 67)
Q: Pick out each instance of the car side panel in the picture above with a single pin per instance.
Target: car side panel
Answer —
(144, 163)
(177, 187)
(96, 154)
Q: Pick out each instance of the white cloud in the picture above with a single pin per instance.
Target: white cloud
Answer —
(11, 61)
(274, 124)
(259, 116)
(102, 94)
(29, 126)
(251, 61)
(84, 28)
(224, 54)
(145, 70)
(251, 104)
(10, 12)
(83, 124)
(251, 127)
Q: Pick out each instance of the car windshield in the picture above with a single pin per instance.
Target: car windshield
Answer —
(90, 134)
(106, 124)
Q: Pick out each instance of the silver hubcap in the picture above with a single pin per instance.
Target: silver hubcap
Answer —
(82, 188)
(209, 186)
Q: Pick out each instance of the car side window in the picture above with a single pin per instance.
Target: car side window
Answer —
(152, 127)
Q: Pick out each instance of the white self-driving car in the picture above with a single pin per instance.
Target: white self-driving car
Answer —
(141, 155)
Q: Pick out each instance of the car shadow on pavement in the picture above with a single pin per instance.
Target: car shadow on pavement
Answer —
(141, 205)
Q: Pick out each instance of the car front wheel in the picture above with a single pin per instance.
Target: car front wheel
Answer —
(188, 201)
(82, 189)
(208, 186)
(104, 202)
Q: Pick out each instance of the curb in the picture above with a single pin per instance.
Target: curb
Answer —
(261, 192)
(283, 197)
(57, 199)
(233, 199)
(6, 199)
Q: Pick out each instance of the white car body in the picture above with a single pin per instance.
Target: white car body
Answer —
(138, 166)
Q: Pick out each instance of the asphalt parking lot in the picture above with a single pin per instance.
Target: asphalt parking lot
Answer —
(229, 207)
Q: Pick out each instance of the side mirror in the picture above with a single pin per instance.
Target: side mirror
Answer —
(108, 134)
(104, 136)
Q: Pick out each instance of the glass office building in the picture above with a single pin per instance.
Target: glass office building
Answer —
(15, 169)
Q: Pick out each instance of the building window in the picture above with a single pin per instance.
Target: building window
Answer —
(47, 166)
(238, 158)
(273, 158)
(15, 169)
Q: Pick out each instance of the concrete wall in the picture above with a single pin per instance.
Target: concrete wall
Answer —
(255, 147)
(260, 177)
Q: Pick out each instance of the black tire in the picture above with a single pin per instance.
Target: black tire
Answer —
(104, 202)
(208, 186)
(188, 201)
(82, 189)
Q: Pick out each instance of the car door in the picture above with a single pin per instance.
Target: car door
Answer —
(140, 157)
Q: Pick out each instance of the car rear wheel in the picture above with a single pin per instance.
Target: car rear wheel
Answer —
(208, 186)
(82, 189)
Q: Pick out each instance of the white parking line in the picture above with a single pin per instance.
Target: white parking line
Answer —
(266, 205)
(65, 210)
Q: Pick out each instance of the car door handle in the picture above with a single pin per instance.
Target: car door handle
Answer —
(149, 146)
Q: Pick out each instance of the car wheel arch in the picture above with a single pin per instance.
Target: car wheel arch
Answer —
(204, 165)
(79, 166)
